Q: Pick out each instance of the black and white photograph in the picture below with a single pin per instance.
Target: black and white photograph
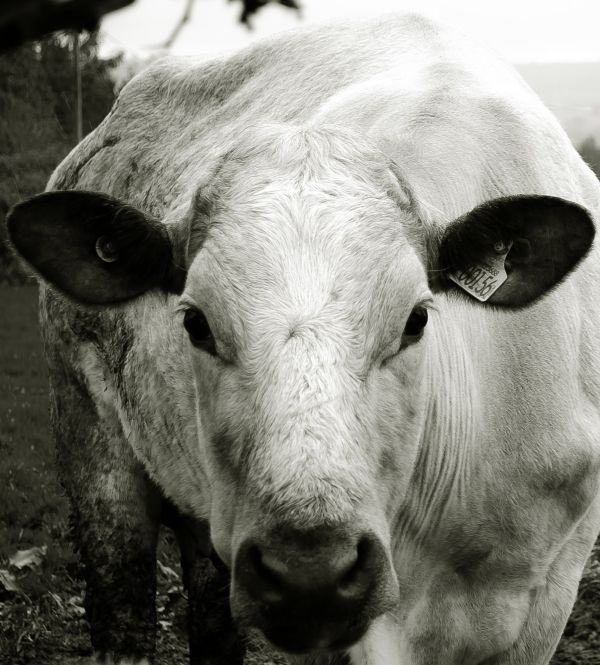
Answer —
(299, 332)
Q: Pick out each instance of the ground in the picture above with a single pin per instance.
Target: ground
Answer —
(41, 618)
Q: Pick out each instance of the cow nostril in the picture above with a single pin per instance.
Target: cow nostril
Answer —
(306, 572)
(358, 578)
(276, 567)
(268, 584)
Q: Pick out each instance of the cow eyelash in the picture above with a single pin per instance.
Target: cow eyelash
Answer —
(184, 305)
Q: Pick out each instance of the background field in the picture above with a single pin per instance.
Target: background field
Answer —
(43, 623)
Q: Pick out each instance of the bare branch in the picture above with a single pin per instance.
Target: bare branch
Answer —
(249, 7)
(185, 18)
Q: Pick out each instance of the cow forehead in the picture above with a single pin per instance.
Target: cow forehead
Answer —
(306, 153)
(305, 215)
(305, 182)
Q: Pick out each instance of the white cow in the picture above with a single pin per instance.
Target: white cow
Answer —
(335, 296)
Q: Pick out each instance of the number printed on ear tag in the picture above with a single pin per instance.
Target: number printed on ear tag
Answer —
(484, 279)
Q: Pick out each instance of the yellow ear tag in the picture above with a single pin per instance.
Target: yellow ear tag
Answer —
(482, 280)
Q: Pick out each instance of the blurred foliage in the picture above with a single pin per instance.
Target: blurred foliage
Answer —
(250, 7)
(37, 94)
(37, 117)
(22, 20)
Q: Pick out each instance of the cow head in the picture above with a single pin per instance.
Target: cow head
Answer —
(306, 279)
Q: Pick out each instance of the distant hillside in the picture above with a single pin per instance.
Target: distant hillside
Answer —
(572, 92)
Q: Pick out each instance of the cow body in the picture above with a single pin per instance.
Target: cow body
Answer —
(487, 521)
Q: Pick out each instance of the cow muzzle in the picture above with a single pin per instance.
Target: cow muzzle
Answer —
(311, 590)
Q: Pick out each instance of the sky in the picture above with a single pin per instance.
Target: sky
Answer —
(520, 30)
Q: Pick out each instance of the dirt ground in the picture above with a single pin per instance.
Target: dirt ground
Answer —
(41, 604)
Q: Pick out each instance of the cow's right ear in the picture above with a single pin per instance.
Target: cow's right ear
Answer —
(94, 248)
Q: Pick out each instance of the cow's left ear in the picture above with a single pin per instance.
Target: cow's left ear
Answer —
(94, 248)
(510, 251)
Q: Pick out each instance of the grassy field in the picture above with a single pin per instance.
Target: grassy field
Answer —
(42, 621)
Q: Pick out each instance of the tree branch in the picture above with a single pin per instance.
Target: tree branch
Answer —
(185, 18)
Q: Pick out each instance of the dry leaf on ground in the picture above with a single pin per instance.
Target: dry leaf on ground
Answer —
(30, 558)
(8, 582)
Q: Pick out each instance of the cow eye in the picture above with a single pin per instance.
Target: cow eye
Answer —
(199, 331)
(416, 322)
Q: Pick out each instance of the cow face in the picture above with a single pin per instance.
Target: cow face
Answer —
(310, 309)
(306, 309)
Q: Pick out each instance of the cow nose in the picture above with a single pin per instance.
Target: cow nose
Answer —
(307, 590)
(272, 576)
